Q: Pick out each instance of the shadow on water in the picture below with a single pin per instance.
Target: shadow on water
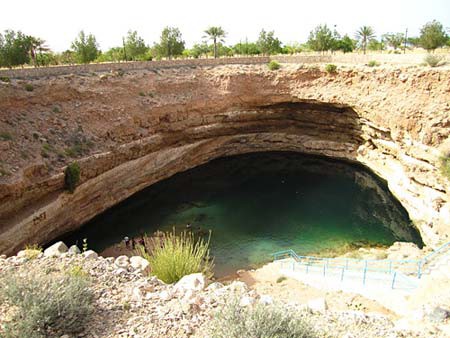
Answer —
(256, 204)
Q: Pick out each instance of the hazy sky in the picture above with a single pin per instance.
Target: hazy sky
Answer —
(58, 22)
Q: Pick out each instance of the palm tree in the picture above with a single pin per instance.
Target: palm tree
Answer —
(35, 45)
(365, 34)
(216, 34)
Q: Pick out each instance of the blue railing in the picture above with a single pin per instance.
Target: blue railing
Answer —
(397, 271)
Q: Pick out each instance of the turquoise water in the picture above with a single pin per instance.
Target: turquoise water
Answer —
(257, 204)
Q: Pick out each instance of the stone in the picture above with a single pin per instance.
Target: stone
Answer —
(22, 254)
(120, 271)
(2, 256)
(74, 250)
(55, 250)
(195, 282)
(214, 286)
(140, 263)
(90, 254)
(246, 301)
(122, 262)
(165, 295)
(317, 305)
(438, 314)
(266, 300)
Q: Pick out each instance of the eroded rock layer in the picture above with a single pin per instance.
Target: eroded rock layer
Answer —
(130, 131)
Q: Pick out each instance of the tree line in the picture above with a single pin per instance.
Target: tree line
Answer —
(18, 49)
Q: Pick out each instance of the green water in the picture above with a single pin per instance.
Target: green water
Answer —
(257, 204)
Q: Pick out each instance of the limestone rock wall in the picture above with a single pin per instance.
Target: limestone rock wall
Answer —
(135, 129)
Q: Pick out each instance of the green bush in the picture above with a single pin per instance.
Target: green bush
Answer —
(273, 65)
(29, 87)
(174, 256)
(71, 176)
(445, 166)
(32, 251)
(330, 68)
(433, 60)
(5, 79)
(373, 63)
(261, 321)
(5, 136)
(45, 305)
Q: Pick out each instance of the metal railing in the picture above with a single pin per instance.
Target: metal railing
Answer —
(402, 273)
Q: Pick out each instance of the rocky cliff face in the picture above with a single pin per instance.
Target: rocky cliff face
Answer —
(130, 131)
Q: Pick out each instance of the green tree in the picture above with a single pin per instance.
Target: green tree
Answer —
(170, 44)
(85, 47)
(216, 34)
(198, 50)
(413, 41)
(346, 44)
(114, 54)
(364, 35)
(35, 46)
(395, 40)
(67, 57)
(246, 48)
(433, 35)
(321, 39)
(292, 48)
(375, 45)
(14, 49)
(134, 46)
(268, 44)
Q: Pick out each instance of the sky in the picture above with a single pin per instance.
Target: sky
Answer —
(58, 22)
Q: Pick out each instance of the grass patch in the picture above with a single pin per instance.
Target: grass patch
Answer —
(445, 166)
(72, 176)
(262, 321)
(273, 65)
(32, 251)
(29, 87)
(330, 68)
(56, 110)
(174, 256)
(5, 79)
(45, 305)
(281, 279)
(433, 60)
(5, 136)
(373, 63)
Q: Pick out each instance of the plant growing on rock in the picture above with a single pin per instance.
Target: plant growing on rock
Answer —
(330, 68)
(32, 251)
(259, 320)
(45, 305)
(273, 65)
(445, 165)
(174, 256)
(373, 63)
(71, 176)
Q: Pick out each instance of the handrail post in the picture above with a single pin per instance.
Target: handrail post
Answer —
(393, 280)
(324, 266)
(365, 272)
(342, 274)
(419, 269)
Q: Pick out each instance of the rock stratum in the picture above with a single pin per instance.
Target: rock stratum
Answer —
(128, 131)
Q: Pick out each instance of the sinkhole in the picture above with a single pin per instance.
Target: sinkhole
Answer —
(259, 203)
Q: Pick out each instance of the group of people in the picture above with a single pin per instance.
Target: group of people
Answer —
(133, 242)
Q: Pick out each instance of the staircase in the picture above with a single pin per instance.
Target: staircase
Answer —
(368, 273)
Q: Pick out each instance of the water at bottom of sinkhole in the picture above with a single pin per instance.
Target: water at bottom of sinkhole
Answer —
(257, 204)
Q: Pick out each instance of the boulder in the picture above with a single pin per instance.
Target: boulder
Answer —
(55, 250)
(266, 300)
(165, 295)
(246, 301)
(214, 286)
(90, 254)
(139, 263)
(317, 305)
(122, 262)
(194, 282)
(74, 250)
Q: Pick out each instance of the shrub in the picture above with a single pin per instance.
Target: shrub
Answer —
(56, 109)
(173, 257)
(46, 305)
(5, 79)
(330, 68)
(5, 136)
(32, 251)
(273, 65)
(29, 87)
(433, 60)
(373, 63)
(445, 166)
(281, 279)
(262, 321)
(71, 176)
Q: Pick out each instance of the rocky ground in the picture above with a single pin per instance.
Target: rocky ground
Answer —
(129, 303)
